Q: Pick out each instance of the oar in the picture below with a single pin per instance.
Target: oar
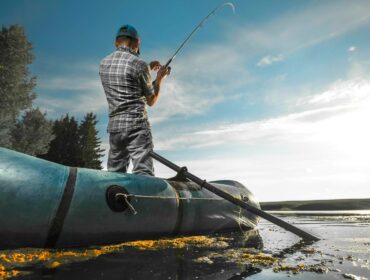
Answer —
(203, 183)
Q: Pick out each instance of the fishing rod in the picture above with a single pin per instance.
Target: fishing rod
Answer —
(197, 28)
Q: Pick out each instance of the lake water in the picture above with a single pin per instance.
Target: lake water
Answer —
(267, 253)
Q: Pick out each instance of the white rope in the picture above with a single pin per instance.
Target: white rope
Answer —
(126, 196)
(170, 197)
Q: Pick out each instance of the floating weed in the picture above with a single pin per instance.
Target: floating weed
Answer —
(8, 274)
(245, 256)
(179, 243)
(52, 259)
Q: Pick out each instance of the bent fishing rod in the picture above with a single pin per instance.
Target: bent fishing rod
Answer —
(197, 28)
(307, 237)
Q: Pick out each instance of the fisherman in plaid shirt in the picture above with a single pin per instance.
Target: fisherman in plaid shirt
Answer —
(128, 87)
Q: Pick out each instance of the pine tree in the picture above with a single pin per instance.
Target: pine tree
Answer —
(65, 147)
(15, 85)
(90, 143)
(33, 133)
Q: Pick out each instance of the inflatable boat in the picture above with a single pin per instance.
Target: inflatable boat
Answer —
(45, 204)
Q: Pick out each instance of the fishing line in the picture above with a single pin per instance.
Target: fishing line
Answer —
(197, 28)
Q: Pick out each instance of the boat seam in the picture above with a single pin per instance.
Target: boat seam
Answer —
(180, 212)
(57, 223)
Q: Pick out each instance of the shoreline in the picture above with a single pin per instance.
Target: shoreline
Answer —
(317, 205)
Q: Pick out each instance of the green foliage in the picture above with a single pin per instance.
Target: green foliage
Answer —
(90, 143)
(75, 145)
(33, 133)
(70, 144)
(15, 85)
(64, 148)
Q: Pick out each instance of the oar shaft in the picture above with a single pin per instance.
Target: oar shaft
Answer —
(289, 227)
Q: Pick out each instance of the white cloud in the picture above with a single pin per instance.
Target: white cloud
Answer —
(269, 59)
(333, 133)
(343, 99)
(63, 94)
(353, 91)
(292, 128)
(74, 83)
(304, 155)
(284, 176)
(341, 92)
(200, 80)
(205, 76)
(352, 49)
(307, 27)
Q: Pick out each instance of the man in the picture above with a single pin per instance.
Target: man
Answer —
(128, 87)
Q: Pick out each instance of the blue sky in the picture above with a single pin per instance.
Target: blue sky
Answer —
(276, 96)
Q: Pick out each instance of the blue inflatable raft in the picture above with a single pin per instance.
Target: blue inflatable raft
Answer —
(44, 204)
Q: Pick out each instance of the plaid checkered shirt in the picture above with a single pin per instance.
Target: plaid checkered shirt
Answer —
(126, 81)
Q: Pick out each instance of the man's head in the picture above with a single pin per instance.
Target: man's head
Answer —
(128, 36)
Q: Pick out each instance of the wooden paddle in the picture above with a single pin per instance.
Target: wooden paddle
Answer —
(203, 183)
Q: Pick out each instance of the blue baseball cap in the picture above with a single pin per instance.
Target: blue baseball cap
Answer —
(129, 31)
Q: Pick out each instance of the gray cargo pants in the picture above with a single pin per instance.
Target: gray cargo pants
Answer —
(134, 144)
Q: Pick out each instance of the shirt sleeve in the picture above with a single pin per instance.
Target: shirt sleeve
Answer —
(145, 80)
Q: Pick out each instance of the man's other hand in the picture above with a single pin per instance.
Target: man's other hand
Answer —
(155, 65)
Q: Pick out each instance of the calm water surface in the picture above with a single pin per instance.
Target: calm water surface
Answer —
(269, 253)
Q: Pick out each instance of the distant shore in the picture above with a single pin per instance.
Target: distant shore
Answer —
(317, 205)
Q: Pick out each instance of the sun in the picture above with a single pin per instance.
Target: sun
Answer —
(349, 132)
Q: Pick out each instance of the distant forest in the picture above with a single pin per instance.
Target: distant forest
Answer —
(317, 205)
(27, 129)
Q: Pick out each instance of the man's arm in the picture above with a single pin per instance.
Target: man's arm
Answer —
(152, 99)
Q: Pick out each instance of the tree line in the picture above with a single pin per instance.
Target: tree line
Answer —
(27, 129)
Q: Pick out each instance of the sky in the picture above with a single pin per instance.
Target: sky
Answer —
(275, 96)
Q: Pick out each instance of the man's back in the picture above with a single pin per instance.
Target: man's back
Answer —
(128, 87)
(126, 81)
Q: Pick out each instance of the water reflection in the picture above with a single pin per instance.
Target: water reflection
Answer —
(293, 249)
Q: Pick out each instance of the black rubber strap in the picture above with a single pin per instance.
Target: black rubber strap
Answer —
(61, 213)
(180, 213)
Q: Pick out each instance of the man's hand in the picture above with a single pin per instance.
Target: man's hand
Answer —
(155, 65)
(163, 72)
